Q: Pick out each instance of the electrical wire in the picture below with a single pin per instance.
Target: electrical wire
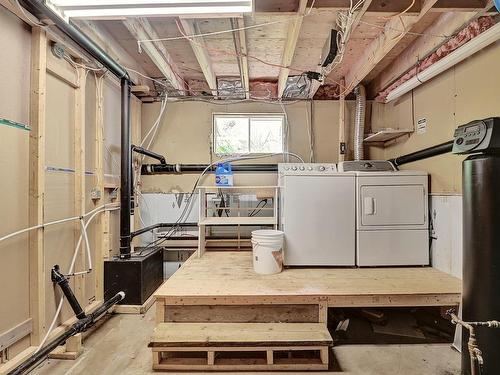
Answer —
(187, 208)
(292, 18)
(92, 214)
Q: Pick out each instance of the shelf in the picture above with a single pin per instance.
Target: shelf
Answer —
(238, 221)
(386, 135)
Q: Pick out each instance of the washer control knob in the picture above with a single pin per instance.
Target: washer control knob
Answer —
(309, 168)
(302, 168)
(294, 168)
(287, 168)
(322, 168)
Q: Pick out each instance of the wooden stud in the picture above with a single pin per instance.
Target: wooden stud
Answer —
(323, 311)
(341, 156)
(289, 51)
(79, 157)
(198, 45)
(74, 343)
(323, 352)
(160, 310)
(270, 357)
(240, 44)
(141, 29)
(101, 220)
(211, 357)
(382, 45)
(37, 279)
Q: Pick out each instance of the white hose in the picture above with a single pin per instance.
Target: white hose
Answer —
(85, 225)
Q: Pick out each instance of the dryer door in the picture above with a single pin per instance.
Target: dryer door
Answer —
(382, 205)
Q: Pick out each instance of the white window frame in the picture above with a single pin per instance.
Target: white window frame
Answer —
(247, 115)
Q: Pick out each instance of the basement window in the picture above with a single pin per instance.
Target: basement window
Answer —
(237, 134)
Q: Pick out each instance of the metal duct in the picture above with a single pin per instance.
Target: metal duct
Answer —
(359, 122)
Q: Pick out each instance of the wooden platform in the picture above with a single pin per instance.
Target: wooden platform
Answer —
(222, 287)
(240, 346)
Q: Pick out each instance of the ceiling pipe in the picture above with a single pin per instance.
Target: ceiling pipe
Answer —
(41, 11)
(471, 47)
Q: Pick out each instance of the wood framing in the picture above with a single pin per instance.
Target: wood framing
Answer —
(240, 45)
(357, 18)
(342, 142)
(291, 42)
(141, 29)
(270, 346)
(202, 55)
(382, 45)
(447, 24)
(37, 275)
(79, 156)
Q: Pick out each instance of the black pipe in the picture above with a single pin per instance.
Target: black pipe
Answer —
(161, 225)
(58, 277)
(151, 154)
(80, 326)
(442, 148)
(152, 169)
(40, 10)
(126, 172)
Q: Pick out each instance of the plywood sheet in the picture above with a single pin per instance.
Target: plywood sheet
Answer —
(230, 274)
(15, 43)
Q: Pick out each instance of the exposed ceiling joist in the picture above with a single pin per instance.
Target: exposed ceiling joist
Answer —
(395, 29)
(141, 29)
(198, 46)
(357, 17)
(240, 44)
(447, 24)
(378, 7)
(291, 43)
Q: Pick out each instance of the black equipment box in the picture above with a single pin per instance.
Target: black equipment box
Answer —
(138, 276)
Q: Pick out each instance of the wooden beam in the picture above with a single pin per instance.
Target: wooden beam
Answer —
(355, 23)
(393, 32)
(240, 45)
(140, 89)
(447, 24)
(342, 142)
(198, 45)
(141, 29)
(291, 42)
(79, 156)
(100, 223)
(37, 277)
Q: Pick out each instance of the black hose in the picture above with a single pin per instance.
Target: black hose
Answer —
(442, 148)
(80, 326)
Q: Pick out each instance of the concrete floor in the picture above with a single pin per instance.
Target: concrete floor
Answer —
(119, 346)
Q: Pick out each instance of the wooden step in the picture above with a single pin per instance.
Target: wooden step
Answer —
(240, 346)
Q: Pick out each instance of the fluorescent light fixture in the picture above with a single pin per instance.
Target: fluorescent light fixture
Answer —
(472, 46)
(130, 8)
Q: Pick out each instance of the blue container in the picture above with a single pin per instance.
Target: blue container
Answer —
(223, 175)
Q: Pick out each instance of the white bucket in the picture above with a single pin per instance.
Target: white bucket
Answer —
(267, 247)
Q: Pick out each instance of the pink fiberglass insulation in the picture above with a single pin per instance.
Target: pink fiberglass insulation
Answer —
(469, 32)
(266, 90)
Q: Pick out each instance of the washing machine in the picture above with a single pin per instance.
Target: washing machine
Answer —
(392, 224)
(317, 214)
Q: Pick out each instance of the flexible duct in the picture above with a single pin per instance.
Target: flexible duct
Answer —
(359, 122)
